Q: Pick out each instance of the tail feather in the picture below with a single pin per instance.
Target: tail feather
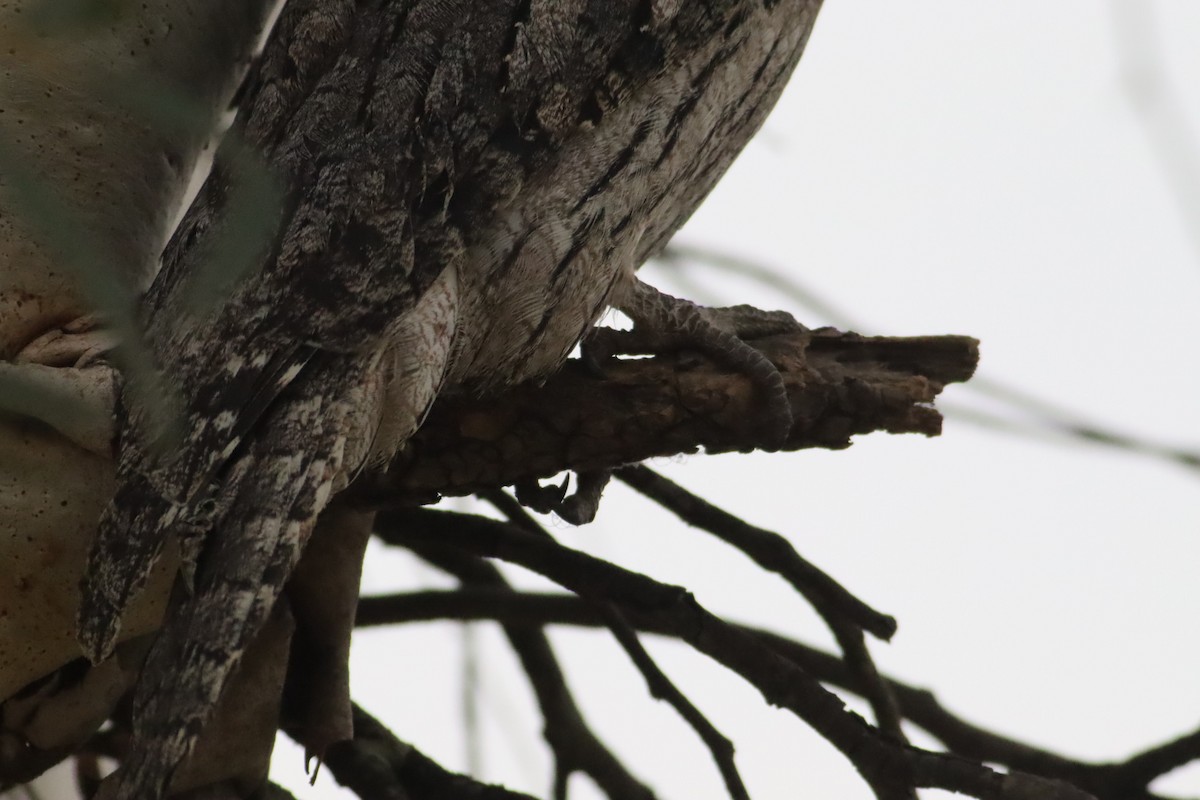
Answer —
(180, 500)
(241, 572)
(126, 548)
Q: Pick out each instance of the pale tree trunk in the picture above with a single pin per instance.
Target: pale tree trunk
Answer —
(78, 99)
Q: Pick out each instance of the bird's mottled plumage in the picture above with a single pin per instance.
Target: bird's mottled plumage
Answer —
(469, 186)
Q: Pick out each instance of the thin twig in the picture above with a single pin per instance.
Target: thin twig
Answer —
(575, 746)
(845, 614)
(470, 701)
(513, 511)
(1160, 110)
(767, 549)
(891, 769)
(870, 683)
(659, 684)
(1049, 424)
(662, 688)
(1140, 770)
(1127, 780)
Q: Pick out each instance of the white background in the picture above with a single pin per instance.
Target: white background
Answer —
(1026, 173)
(1014, 171)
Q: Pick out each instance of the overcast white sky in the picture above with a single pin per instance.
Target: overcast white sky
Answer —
(936, 166)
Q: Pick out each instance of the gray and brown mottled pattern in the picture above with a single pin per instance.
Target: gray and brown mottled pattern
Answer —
(480, 179)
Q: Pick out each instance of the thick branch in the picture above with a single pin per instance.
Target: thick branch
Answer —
(839, 385)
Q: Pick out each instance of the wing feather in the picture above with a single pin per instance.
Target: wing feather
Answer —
(178, 499)
(281, 484)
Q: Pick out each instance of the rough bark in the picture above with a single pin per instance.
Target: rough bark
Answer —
(839, 385)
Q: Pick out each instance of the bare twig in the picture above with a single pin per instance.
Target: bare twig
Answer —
(513, 511)
(1138, 771)
(659, 684)
(768, 549)
(890, 768)
(662, 688)
(846, 615)
(1048, 422)
(1160, 110)
(1127, 780)
(575, 746)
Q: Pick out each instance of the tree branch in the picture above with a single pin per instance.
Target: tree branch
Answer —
(376, 765)
(662, 688)
(846, 615)
(1126, 780)
(839, 385)
(575, 746)
(890, 768)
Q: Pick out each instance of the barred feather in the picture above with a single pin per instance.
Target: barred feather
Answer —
(288, 475)
(470, 185)
(178, 499)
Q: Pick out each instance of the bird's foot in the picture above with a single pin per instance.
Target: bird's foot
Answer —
(578, 508)
(663, 323)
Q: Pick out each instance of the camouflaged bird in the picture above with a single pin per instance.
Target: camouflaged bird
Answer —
(469, 186)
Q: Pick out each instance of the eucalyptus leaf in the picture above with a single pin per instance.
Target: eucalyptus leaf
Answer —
(247, 231)
(59, 17)
(163, 105)
(97, 277)
(24, 392)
